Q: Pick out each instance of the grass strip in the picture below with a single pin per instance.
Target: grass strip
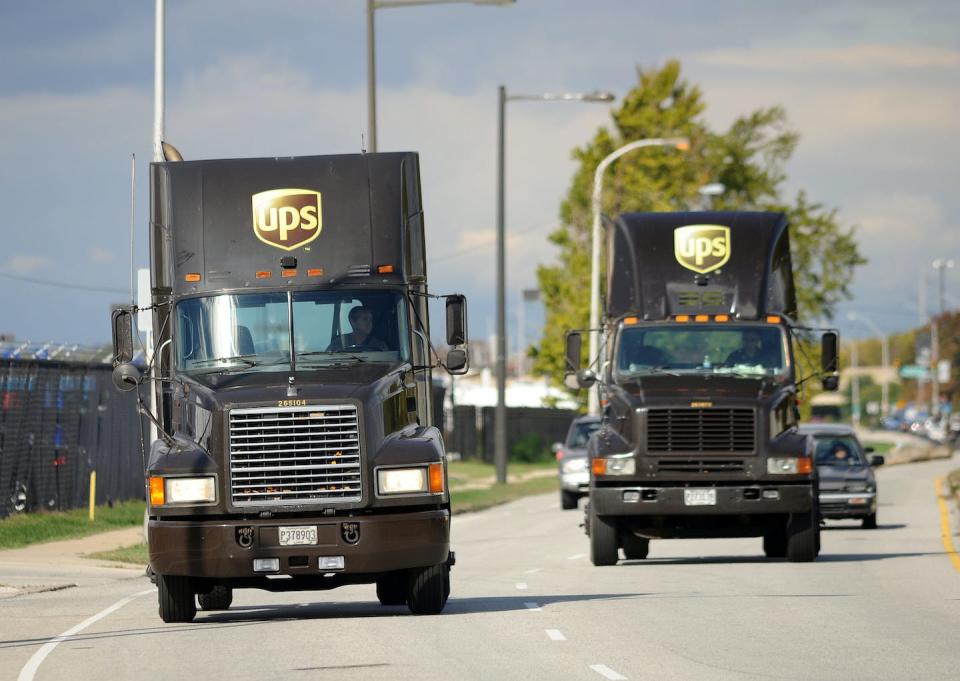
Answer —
(134, 555)
(33, 528)
(467, 501)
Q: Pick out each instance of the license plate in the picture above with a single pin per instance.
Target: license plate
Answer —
(298, 536)
(700, 497)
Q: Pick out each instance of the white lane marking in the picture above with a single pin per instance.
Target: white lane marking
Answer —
(521, 585)
(577, 556)
(555, 635)
(533, 607)
(605, 671)
(533, 571)
(30, 668)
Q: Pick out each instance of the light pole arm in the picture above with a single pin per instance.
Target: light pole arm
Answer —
(597, 206)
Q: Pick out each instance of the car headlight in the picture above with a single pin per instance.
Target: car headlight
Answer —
(789, 465)
(182, 490)
(623, 464)
(575, 465)
(412, 480)
(859, 487)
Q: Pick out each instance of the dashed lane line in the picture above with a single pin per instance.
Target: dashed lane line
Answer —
(945, 532)
(522, 586)
(555, 635)
(33, 664)
(532, 571)
(605, 671)
(577, 556)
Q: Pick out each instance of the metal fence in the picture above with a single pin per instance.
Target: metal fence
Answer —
(60, 419)
(471, 430)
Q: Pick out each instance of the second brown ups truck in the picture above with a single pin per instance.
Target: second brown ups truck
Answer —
(699, 382)
(292, 378)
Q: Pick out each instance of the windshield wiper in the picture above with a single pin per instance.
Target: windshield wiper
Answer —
(236, 358)
(313, 353)
(650, 371)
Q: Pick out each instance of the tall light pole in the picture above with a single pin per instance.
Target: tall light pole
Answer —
(676, 142)
(855, 386)
(884, 359)
(940, 266)
(500, 415)
(372, 6)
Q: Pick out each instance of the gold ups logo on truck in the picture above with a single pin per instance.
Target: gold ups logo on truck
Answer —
(702, 248)
(287, 218)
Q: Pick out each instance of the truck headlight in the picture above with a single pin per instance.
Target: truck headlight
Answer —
(576, 465)
(614, 465)
(190, 490)
(789, 465)
(411, 480)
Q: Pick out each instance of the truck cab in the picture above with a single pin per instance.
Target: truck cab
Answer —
(291, 380)
(699, 385)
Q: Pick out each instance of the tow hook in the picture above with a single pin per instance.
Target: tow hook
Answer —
(350, 532)
(245, 537)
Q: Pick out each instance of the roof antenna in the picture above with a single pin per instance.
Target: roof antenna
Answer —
(363, 144)
(133, 207)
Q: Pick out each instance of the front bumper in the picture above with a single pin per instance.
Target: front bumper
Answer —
(211, 549)
(847, 504)
(731, 500)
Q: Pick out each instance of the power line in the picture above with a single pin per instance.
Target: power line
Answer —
(60, 284)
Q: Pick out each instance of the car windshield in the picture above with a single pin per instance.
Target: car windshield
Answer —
(581, 432)
(740, 350)
(838, 450)
(251, 331)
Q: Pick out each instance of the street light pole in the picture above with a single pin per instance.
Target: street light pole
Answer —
(855, 387)
(500, 413)
(938, 265)
(884, 359)
(596, 203)
(372, 6)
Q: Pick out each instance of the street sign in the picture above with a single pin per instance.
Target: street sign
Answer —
(914, 371)
(943, 371)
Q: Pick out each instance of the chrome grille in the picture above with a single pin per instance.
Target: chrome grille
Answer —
(700, 430)
(700, 466)
(296, 455)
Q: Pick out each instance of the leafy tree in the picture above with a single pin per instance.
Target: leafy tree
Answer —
(748, 159)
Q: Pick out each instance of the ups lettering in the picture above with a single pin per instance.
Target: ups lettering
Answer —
(286, 219)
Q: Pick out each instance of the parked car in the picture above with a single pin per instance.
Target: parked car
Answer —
(848, 487)
(573, 462)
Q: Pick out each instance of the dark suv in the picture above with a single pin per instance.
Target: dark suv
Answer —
(573, 461)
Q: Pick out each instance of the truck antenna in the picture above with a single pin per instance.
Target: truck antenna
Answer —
(363, 144)
(133, 207)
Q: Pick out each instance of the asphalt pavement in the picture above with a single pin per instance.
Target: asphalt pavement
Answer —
(527, 604)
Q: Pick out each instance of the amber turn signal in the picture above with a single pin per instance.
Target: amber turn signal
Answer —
(156, 491)
(193, 276)
(804, 465)
(436, 478)
(598, 466)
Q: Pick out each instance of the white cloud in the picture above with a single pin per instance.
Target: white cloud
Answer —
(25, 264)
(822, 59)
(101, 255)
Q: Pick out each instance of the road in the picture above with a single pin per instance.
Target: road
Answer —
(526, 604)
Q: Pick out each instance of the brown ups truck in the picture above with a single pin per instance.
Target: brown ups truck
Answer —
(292, 378)
(699, 383)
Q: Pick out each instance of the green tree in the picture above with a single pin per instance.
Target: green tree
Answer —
(749, 160)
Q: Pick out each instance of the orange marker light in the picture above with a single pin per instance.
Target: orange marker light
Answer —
(598, 466)
(804, 465)
(193, 276)
(264, 274)
(683, 146)
(288, 273)
(156, 491)
(683, 318)
(630, 321)
(436, 478)
(702, 318)
(385, 269)
(722, 318)
(318, 272)
(773, 319)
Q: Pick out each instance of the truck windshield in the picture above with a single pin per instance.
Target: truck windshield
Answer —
(251, 331)
(686, 349)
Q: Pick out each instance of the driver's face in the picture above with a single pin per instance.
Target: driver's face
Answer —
(362, 323)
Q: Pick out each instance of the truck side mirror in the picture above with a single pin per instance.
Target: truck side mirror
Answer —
(121, 321)
(586, 378)
(829, 359)
(456, 320)
(457, 361)
(574, 343)
(877, 460)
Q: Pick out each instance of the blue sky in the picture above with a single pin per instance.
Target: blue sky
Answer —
(873, 87)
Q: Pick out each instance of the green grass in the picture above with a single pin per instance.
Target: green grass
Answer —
(880, 447)
(134, 555)
(31, 528)
(465, 501)
(460, 473)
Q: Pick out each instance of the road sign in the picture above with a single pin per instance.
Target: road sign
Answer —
(914, 371)
(943, 371)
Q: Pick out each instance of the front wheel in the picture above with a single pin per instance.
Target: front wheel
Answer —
(218, 598)
(870, 522)
(634, 547)
(603, 540)
(775, 543)
(177, 603)
(568, 500)
(428, 589)
(392, 588)
(803, 538)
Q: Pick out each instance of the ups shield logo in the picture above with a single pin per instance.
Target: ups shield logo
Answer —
(702, 248)
(287, 218)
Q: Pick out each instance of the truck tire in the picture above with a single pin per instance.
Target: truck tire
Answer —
(568, 500)
(603, 540)
(176, 598)
(218, 598)
(775, 543)
(392, 588)
(634, 547)
(428, 589)
(870, 522)
(802, 538)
